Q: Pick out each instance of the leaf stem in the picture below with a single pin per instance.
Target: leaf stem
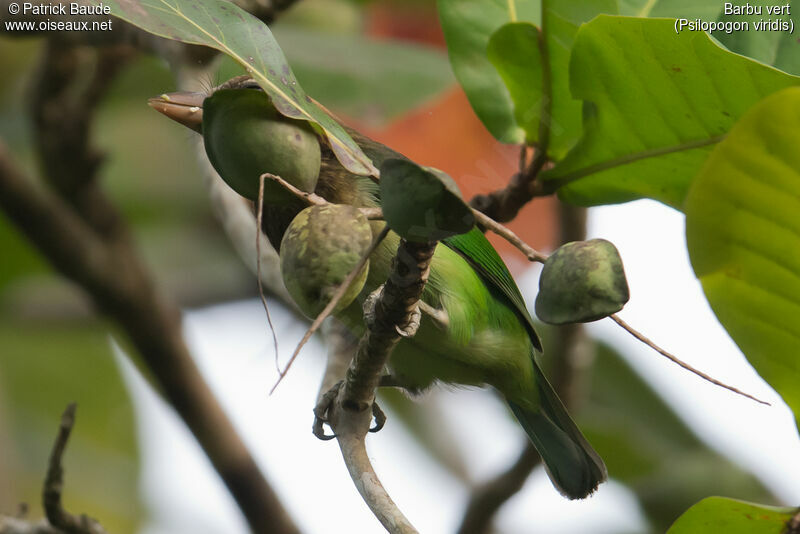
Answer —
(614, 317)
(512, 10)
(566, 179)
(546, 112)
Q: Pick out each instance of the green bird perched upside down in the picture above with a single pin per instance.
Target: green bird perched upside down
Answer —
(488, 336)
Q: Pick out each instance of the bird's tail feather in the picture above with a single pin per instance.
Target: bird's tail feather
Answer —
(570, 461)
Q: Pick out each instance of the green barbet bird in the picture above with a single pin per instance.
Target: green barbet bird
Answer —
(488, 336)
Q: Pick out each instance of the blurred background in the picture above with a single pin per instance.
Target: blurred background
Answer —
(669, 439)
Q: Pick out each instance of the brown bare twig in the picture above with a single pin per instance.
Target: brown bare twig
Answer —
(54, 484)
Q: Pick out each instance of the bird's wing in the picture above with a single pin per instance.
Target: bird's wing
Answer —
(481, 255)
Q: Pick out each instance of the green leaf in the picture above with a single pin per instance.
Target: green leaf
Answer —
(656, 102)
(743, 235)
(688, 9)
(467, 26)
(422, 204)
(514, 51)
(777, 48)
(510, 106)
(717, 514)
(225, 27)
(366, 78)
(649, 448)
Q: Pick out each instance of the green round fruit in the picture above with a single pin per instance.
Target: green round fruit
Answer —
(245, 136)
(581, 281)
(322, 245)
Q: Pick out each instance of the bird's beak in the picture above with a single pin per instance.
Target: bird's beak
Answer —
(183, 107)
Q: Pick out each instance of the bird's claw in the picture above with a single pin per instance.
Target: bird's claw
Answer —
(322, 411)
(380, 417)
(410, 329)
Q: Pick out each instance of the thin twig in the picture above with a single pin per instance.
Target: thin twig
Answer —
(683, 364)
(534, 255)
(259, 216)
(373, 214)
(328, 310)
(486, 499)
(54, 484)
(546, 111)
(506, 233)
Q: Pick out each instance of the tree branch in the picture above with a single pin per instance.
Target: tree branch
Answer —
(59, 521)
(86, 240)
(391, 313)
(54, 483)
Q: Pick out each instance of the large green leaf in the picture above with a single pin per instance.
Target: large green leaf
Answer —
(717, 514)
(778, 48)
(225, 27)
(656, 102)
(515, 52)
(365, 78)
(688, 9)
(467, 26)
(649, 448)
(743, 234)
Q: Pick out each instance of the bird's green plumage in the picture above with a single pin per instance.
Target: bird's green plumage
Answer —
(489, 338)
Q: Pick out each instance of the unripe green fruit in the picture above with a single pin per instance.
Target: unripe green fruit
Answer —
(582, 281)
(322, 245)
(245, 136)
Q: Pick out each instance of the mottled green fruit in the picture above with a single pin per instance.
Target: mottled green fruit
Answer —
(319, 249)
(245, 136)
(422, 204)
(582, 281)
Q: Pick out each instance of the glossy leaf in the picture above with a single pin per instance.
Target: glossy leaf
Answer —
(688, 9)
(225, 27)
(717, 514)
(777, 48)
(743, 234)
(656, 103)
(514, 51)
(422, 204)
(467, 26)
(375, 80)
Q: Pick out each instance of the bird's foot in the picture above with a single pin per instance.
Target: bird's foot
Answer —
(408, 330)
(322, 413)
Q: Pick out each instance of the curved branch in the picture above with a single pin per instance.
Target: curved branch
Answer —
(54, 483)
(88, 242)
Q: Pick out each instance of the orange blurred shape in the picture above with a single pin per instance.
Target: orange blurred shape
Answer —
(447, 134)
